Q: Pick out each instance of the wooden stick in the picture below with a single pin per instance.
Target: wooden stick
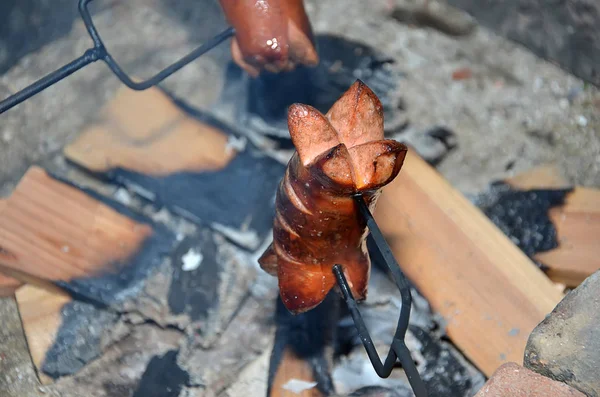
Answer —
(490, 293)
(577, 224)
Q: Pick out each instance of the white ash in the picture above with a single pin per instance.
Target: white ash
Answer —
(191, 260)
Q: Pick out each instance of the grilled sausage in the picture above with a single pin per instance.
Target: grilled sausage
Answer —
(317, 223)
(272, 34)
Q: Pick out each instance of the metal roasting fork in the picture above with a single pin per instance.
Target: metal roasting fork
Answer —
(398, 349)
(99, 53)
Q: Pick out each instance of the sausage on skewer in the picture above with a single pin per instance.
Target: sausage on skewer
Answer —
(272, 34)
(317, 224)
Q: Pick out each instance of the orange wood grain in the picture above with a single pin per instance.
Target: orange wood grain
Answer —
(577, 225)
(8, 285)
(545, 176)
(51, 231)
(146, 132)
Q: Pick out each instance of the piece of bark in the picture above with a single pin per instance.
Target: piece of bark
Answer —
(489, 292)
(577, 225)
(56, 235)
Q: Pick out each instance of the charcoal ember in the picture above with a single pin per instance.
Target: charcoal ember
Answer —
(119, 370)
(523, 215)
(261, 104)
(566, 345)
(79, 339)
(162, 377)
(443, 369)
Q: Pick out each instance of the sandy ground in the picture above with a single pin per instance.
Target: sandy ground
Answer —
(516, 111)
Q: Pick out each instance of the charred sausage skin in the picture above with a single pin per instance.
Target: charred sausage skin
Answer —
(317, 223)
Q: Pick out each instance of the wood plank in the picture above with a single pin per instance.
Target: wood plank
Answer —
(545, 176)
(489, 292)
(147, 133)
(195, 166)
(8, 285)
(50, 232)
(40, 312)
(293, 369)
(577, 225)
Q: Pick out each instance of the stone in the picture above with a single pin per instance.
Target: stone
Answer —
(566, 32)
(512, 380)
(566, 345)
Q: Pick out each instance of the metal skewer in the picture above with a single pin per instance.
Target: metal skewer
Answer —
(398, 349)
(99, 52)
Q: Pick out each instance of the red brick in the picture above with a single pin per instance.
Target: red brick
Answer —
(512, 380)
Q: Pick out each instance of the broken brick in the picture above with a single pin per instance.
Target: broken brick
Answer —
(512, 380)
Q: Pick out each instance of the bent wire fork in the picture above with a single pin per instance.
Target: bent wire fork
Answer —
(398, 349)
(99, 52)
